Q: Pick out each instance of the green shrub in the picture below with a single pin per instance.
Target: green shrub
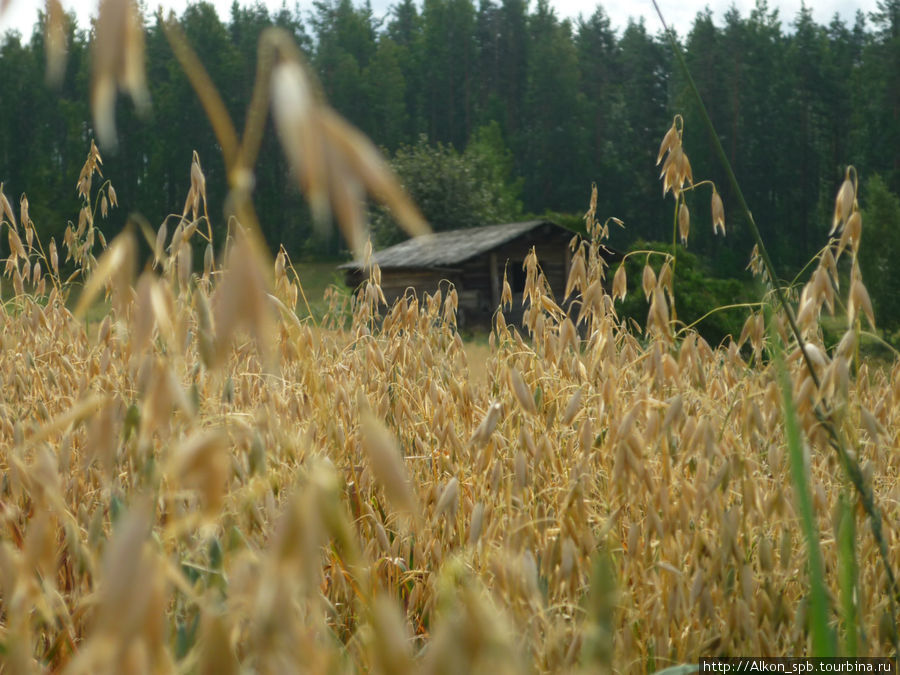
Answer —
(455, 190)
(879, 252)
(696, 292)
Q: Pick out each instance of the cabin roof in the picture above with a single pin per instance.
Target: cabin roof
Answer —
(445, 249)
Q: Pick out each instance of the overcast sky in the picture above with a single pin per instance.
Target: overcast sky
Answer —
(20, 14)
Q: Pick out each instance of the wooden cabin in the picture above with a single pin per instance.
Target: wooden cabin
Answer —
(473, 260)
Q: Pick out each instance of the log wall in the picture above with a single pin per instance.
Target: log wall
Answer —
(479, 280)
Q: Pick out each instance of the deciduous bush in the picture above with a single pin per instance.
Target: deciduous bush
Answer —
(696, 291)
(455, 190)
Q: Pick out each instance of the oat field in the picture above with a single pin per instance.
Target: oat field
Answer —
(198, 481)
(192, 479)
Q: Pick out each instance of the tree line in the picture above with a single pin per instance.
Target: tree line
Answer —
(563, 102)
